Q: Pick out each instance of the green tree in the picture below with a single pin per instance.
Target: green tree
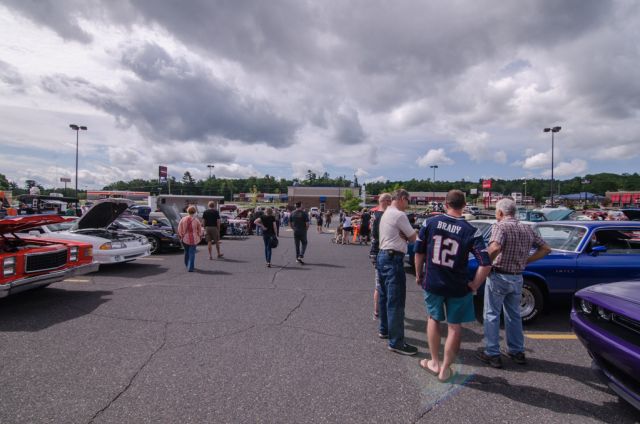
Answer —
(350, 202)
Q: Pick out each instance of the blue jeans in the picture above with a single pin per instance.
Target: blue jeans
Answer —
(300, 240)
(503, 291)
(267, 247)
(189, 255)
(393, 293)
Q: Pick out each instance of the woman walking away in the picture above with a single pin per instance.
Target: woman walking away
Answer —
(267, 223)
(346, 229)
(190, 233)
(319, 221)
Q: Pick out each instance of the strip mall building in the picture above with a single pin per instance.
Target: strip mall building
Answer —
(623, 199)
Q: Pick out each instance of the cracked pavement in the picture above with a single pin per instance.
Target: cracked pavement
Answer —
(238, 342)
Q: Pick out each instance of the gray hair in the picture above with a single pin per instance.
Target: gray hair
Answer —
(507, 206)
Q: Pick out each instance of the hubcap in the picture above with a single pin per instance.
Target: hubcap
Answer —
(527, 303)
(154, 244)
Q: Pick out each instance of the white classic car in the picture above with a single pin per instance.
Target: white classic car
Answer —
(109, 246)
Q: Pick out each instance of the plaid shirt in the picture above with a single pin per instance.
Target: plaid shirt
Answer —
(516, 241)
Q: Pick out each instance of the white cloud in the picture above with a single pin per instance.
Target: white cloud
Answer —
(434, 157)
(378, 179)
(361, 173)
(539, 160)
(302, 168)
(568, 169)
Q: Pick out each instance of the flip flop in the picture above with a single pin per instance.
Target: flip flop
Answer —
(426, 367)
(448, 378)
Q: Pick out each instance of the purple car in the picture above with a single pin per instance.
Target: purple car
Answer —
(606, 319)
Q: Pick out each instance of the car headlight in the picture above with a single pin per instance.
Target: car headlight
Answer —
(73, 253)
(586, 306)
(113, 245)
(604, 314)
(9, 266)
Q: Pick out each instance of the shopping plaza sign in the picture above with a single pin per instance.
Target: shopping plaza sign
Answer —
(486, 184)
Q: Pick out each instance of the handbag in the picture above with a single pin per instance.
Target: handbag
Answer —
(273, 242)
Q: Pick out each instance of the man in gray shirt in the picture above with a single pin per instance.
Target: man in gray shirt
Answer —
(395, 230)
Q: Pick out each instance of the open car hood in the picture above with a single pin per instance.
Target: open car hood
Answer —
(22, 223)
(102, 213)
(171, 210)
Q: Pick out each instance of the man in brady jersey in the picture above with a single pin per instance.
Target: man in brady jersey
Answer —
(445, 242)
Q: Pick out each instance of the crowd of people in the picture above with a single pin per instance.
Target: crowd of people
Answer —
(442, 249)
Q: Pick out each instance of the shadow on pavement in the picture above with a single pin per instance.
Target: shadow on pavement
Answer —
(211, 272)
(324, 265)
(132, 270)
(36, 310)
(546, 399)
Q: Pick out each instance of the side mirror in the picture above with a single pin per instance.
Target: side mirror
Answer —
(596, 250)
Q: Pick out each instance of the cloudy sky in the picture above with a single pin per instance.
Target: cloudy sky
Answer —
(380, 89)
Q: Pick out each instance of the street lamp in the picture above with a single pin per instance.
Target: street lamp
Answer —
(434, 167)
(524, 199)
(553, 131)
(210, 168)
(77, 129)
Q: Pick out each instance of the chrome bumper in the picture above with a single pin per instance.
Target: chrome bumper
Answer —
(28, 283)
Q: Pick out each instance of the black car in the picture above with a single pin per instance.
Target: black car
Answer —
(158, 238)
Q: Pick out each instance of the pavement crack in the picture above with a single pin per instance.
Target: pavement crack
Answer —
(135, 375)
(304, 296)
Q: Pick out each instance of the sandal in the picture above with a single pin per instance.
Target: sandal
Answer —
(426, 367)
(445, 380)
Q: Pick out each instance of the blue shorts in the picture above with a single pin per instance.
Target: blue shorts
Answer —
(455, 310)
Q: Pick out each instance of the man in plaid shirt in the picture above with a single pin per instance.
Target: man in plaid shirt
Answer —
(509, 247)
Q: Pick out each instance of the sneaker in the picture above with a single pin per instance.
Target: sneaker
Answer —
(268, 264)
(493, 361)
(405, 349)
(518, 358)
(300, 260)
(383, 336)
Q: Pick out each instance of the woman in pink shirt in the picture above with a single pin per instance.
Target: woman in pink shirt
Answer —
(190, 233)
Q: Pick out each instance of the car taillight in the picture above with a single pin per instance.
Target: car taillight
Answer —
(73, 253)
(9, 266)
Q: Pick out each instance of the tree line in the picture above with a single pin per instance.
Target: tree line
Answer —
(538, 188)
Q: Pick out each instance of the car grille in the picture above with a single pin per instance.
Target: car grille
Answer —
(628, 323)
(37, 262)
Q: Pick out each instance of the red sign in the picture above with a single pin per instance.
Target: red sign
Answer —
(486, 184)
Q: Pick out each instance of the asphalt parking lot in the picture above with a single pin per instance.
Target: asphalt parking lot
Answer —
(238, 342)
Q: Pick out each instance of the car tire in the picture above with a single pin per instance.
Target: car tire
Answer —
(532, 302)
(155, 244)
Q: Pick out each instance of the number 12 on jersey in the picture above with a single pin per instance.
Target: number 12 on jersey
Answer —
(444, 251)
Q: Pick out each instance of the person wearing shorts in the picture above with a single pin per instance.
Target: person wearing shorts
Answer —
(442, 250)
(211, 218)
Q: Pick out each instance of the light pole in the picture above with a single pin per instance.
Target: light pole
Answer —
(524, 199)
(434, 167)
(210, 168)
(77, 129)
(553, 131)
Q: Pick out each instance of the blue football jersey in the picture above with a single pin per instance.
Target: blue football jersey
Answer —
(446, 242)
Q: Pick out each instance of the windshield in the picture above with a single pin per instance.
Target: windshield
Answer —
(131, 224)
(62, 226)
(562, 237)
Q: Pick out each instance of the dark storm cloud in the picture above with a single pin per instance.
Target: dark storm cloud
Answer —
(61, 16)
(347, 127)
(172, 100)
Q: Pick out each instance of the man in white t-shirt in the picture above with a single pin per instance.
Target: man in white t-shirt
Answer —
(395, 230)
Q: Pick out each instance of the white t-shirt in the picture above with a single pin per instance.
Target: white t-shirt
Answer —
(393, 223)
(347, 222)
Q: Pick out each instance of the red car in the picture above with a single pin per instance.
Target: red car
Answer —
(29, 263)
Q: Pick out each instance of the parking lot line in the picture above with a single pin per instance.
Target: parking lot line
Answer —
(75, 280)
(551, 336)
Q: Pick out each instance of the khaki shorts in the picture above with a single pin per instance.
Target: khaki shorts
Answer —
(212, 234)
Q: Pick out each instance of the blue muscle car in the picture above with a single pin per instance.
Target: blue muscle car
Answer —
(584, 253)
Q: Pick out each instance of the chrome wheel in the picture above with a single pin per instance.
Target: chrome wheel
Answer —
(155, 244)
(527, 303)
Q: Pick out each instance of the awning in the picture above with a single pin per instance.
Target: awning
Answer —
(615, 198)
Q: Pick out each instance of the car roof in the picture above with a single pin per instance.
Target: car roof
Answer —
(591, 224)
